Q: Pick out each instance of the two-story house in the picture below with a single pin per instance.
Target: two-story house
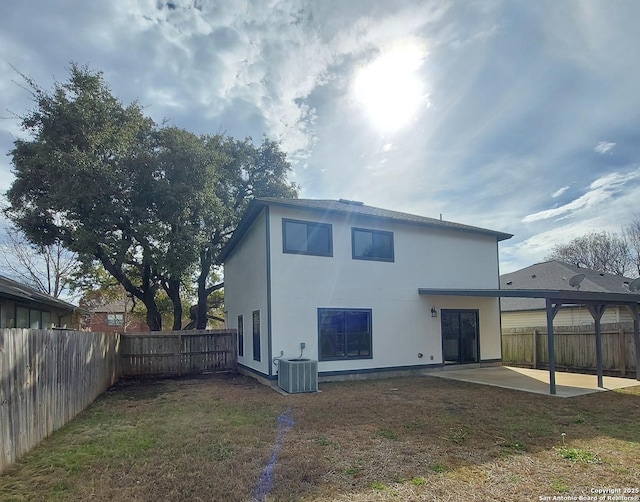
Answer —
(341, 279)
(115, 317)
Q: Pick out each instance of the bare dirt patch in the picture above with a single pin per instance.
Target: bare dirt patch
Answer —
(418, 438)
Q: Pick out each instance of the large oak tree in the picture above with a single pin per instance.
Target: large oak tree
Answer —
(153, 205)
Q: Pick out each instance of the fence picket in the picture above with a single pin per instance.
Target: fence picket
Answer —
(178, 352)
(574, 347)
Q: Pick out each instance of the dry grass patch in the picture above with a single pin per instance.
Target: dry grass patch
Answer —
(403, 439)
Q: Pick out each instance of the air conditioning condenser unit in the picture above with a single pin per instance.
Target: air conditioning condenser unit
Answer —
(298, 375)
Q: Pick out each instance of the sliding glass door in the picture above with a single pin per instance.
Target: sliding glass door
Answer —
(460, 336)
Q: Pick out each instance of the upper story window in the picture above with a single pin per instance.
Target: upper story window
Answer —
(305, 237)
(371, 244)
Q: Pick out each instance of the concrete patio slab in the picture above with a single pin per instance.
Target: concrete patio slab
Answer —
(536, 381)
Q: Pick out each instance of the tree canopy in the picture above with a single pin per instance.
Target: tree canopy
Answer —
(151, 204)
(602, 251)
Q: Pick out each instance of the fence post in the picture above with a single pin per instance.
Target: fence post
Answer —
(535, 349)
(180, 358)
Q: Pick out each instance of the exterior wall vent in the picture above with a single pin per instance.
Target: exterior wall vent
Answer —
(298, 375)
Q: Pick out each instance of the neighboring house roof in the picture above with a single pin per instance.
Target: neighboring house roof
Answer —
(20, 292)
(343, 206)
(555, 275)
(114, 307)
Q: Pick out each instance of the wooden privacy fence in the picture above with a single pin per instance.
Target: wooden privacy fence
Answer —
(575, 348)
(178, 352)
(47, 377)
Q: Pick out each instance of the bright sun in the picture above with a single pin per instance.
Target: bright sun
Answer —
(389, 88)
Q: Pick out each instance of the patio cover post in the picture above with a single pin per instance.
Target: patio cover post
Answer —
(636, 338)
(551, 313)
(596, 312)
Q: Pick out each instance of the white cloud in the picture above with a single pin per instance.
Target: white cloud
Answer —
(516, 254)
(535, 248)
(533, 242)
(600, 190)
(483, 154)
(560, 191)
(280, 56)
(207, 59)
(603, 147)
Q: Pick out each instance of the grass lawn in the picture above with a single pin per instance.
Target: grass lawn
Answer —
(420, 438)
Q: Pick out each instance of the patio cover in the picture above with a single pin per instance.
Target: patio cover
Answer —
(596, 302)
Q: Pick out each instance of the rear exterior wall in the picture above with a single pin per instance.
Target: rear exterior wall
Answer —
(404, 334)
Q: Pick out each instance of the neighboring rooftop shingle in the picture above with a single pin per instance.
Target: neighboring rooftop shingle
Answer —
(18, 291)
(555, 275)
(114, 307)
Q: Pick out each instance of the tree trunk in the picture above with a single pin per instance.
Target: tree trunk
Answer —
(177, 317)
(172, 287)
(154, 319)
(205, 269)
(146, 294)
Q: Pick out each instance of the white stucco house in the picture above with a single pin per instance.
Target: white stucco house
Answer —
(341, 279)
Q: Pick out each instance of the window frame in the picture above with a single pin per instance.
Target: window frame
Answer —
(373, 232)
(346, 357)
(115, 322)
(24, 322)
(44, 314)
(34, 317)
(256, 335)
(240, 335)
(286, 250)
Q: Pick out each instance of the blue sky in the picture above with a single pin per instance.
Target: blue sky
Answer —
(518, 116)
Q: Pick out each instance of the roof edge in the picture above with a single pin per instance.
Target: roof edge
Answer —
(255, 207)
(558, 295)
(501, 236)
(25, 293)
